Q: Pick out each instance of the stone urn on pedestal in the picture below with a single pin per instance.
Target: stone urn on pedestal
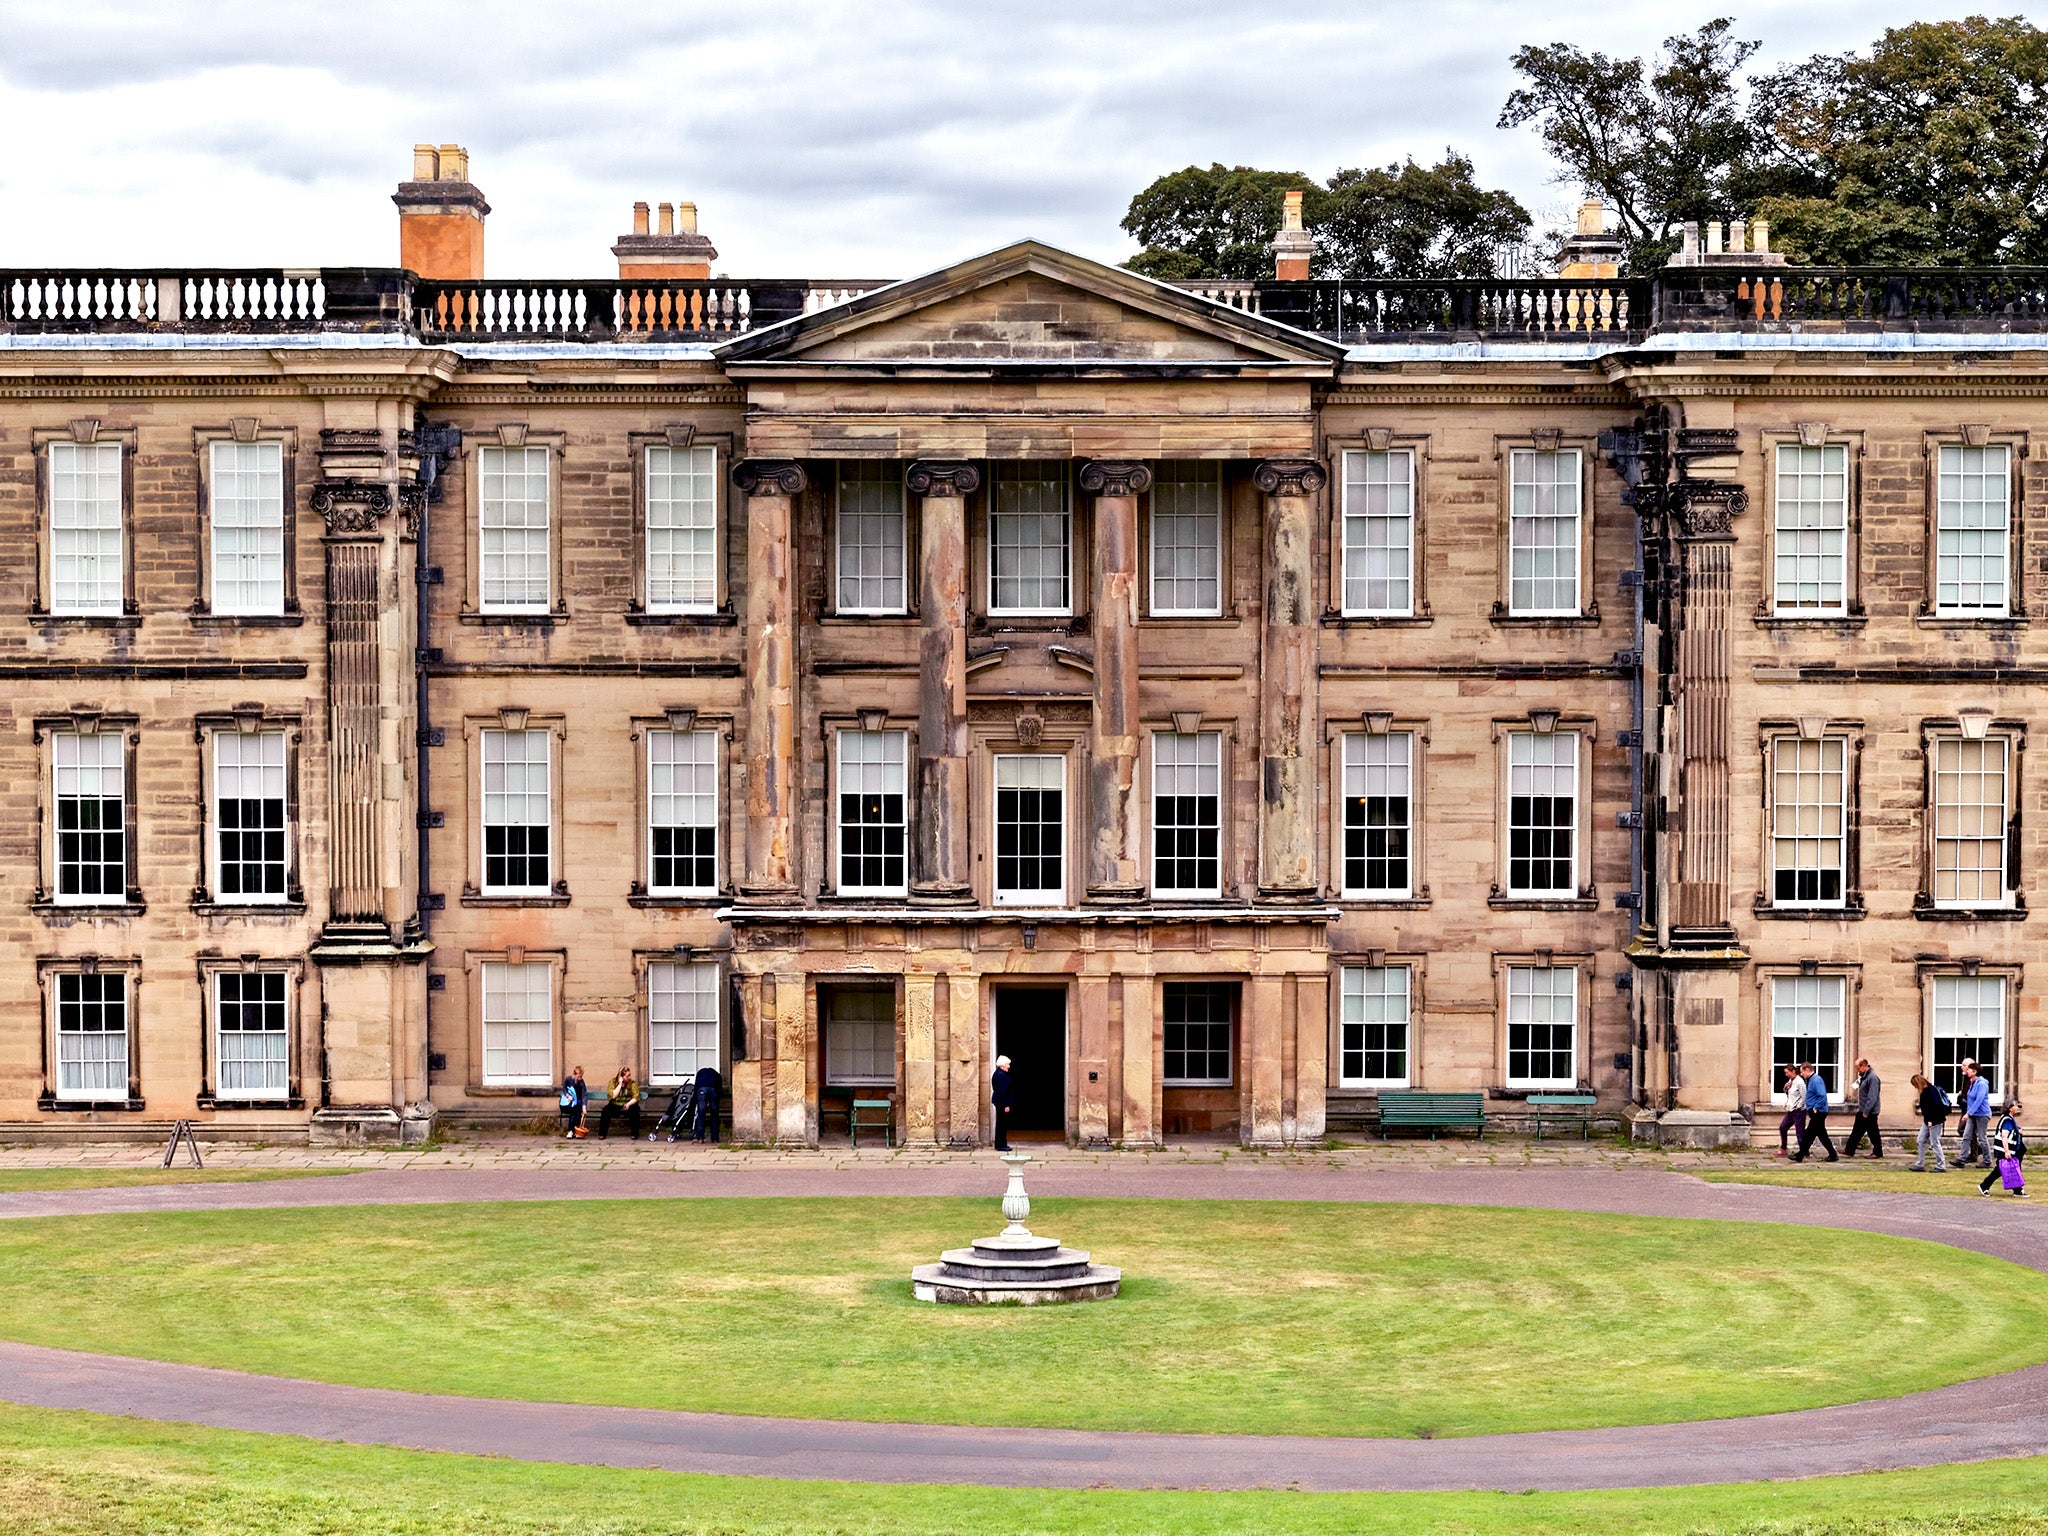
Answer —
(1015, 1266)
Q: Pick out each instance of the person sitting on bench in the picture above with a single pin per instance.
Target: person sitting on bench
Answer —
(624, 1099)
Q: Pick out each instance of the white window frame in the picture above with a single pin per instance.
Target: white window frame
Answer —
(1804, 999)
(1949, 520)
(1207, 747)
(259, 515)
(1228, 1024)
(1042, 896)
(1528, 997)
(1576, 858)
(221, 768)
(491, 518)
(1812, 509)
(108, 1062)
(1798, 822)
(1354, 983)
(1521, 467)
(839, 1048)
(268, 1093)
(888, 740)
(1174, 483)
(1002, 477)
(690, 519)
(494, 979)
(111, 746)
(1941, 749)
(1360, 520)
(704, 761)
(682, 1020)
(892, 522)
(487, 738)
(1354, 749)
(81, 520)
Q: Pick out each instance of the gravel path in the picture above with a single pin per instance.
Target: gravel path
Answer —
(2004, 1416)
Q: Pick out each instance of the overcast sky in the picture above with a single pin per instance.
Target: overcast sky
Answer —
(822, 140)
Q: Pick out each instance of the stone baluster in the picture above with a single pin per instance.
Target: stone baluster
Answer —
(771, 487)
(1287, 667)
(1115, 858)
(942, 809)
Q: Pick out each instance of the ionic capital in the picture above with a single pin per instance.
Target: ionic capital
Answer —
(1115, 477)
(943, 477)
(1707, 509)
(770, 477)
(1290, 477)
(351, 506)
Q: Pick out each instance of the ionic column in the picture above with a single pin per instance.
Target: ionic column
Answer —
(1115, 856)
(771, 487)
(942, 809)
(1287, 666)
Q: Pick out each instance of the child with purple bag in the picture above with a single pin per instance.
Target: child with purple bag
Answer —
(2008, 1151)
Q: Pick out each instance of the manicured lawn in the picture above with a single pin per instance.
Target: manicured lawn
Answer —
(1889, 1177)
(1254, 1317)
(78, 1474)
(24, 1179)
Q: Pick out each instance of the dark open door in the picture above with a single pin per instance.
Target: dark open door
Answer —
(1031, 1029)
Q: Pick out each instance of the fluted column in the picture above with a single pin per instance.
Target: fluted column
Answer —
(942, 810)
(1287, 666)
(771, 487)
(1115, 857)
(1706, 576)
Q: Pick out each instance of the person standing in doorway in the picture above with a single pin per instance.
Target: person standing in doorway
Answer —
(1976, 1116)
(1934, 1107)
(1816, 1116)
(1000, 1100)
(1794, 1121)
(1869, 1088)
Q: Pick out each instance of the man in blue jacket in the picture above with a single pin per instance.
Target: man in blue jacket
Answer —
(1816, 1115)
(1976, 1116)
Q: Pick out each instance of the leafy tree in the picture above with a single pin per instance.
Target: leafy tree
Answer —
(1932, 150)
(1210, 223)
(1659, 139)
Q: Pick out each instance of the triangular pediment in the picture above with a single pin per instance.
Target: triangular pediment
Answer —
(1032, 306)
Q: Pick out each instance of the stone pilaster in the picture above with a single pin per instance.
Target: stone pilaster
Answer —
(1287, 675)
(1116, 866)
(770, 870)
(941, 870)
(1706, 577)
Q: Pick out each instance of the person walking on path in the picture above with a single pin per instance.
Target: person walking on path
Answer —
(1869, 1091)
(575, 1094)
(704, 1105)
(1000, 1101)
(622, 1098)
(1976, 1116)
(2009, 1147)
(1816, 1116)
(1794, 1121)
(1934, 1108)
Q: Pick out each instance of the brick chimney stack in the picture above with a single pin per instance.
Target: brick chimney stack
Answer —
(1589, 251)
(1293, 246)
(675, 249)
(441, 215)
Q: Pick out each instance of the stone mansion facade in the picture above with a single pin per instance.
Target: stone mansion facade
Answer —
(1230, 701)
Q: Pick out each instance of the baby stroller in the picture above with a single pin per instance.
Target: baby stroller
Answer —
(676, 1118)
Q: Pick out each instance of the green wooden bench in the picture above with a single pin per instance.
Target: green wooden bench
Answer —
(864, 1113)
(1566, 1108)
(1432, 1112)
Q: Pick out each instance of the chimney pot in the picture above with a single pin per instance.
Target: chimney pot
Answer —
(426, 162)
(1692, 237)
(668, 220)
(1293, 248)
(1592, 217)
(639, 218)
(1760, 236)
(1738, 236)
(1714, 238)
(686, 218)
(454, 163)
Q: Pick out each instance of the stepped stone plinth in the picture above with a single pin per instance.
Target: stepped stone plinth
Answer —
(1015, 1266)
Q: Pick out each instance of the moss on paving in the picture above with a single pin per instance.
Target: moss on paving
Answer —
(1238, 1316)
(22, 1180)
(79, 1474)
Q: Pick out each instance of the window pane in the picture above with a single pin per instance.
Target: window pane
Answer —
(88, 775)
(1969, 1025)
(1813, 529)
(1543, 783)
(1806, 1025)
(1542, 1026)
(512, 529)
(860, 1035)
(1808, 786)
(1971, 530)
(682, 529)
(1196, 1016)
(1187, 539)
(1029, 531)
(252, 1046)
(249, 815)
(1379, 532)
(1373, 1018)
(682, 810)
(1376, 814)
(1543, 532)
(85, 528)
(682, 1020)
(1969, 822)
(1187, 788)
(871, 538)
(92, 1035)
(1030, 828)
(248, 528)
(873, 770)
(516, 811)
(518, 1014)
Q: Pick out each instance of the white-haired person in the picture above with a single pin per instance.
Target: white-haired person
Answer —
(1001, 1101)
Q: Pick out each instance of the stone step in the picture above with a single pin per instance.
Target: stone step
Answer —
(1098, 1282)
(972, 1268)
